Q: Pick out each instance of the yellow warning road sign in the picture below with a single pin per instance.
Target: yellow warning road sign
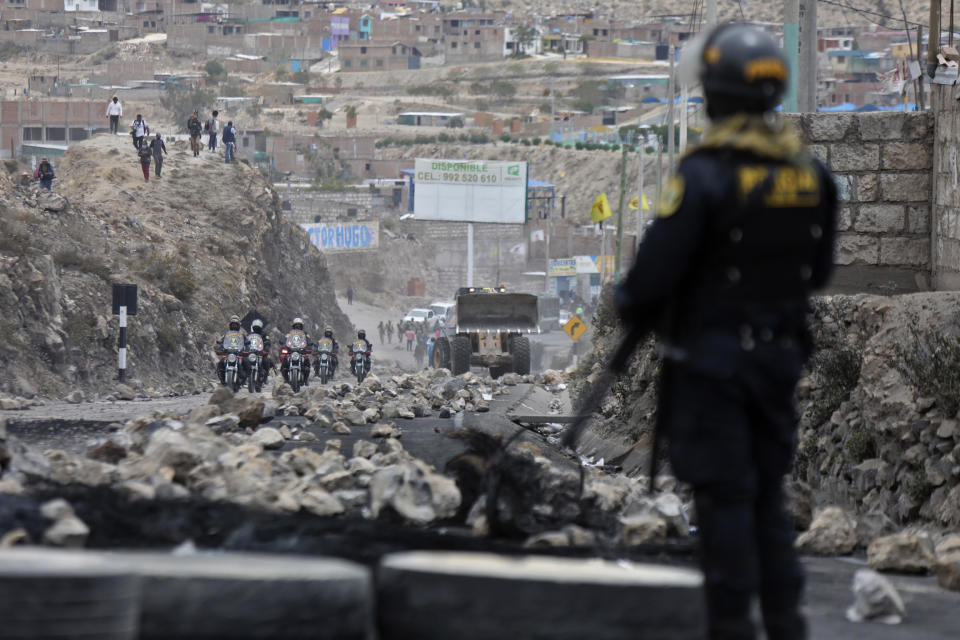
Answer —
(575, 328)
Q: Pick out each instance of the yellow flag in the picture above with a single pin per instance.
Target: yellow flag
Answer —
(600, 209)
(634, 203)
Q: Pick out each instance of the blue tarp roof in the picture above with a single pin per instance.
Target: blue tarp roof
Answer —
(853, 53)
(652, 100)
(846, 106)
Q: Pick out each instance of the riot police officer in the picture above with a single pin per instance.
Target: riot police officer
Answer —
(744, 233)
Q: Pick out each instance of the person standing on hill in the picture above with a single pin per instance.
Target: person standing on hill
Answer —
(138, 129)
(195, 129)
(44, 174)
(158, 149)
(389, 331)
(229, 142)
(211, 128)
(350, 294)
(114, 112)
(144, 154)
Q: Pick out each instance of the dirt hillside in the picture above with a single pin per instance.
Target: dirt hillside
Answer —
(203, 242)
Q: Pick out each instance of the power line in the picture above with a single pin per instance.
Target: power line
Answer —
(867, 12)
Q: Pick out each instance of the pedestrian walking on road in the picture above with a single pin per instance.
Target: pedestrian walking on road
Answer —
(420, 352)
(158, 149)
(389, 329)
(144, 154)
(410, 338)
(381, 329)
(114, 113)
(195, 129)
(229, 142)
(399, 331)
(744, 233)
(138, 129)
(349, 294)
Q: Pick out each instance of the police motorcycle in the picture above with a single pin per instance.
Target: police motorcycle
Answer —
(359, 360)
(254, 356)
(295, 349)
(324, 355)
(231, 352)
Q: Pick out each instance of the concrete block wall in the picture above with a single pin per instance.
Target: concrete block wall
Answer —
(945, 236)
(882, 162)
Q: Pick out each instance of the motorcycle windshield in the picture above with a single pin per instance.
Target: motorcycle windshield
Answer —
(256, 342)
(325, 345)
(359, 347)
(233, 341)
(296, 341)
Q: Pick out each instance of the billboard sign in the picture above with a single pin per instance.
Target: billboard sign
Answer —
(470, 191)
(346, 236)
(563, 267)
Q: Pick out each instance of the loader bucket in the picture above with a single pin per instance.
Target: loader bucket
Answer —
(504, 312)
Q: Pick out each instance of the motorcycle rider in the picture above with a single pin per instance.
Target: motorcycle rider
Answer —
(328, 333)
(362, 337)
(235, 340)
(296, 331)
(257, 327)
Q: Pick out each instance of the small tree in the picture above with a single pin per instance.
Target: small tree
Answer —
(215, 71)
(351, 112)
(323, 115)
(281, 74)
(181, 102)
(525, 35)
(456, 122)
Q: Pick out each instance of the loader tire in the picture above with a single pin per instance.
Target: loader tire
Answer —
(520, 348)
(459, 355)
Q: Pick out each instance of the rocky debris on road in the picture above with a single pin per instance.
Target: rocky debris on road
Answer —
(875, 599)
(947, 566)
(222, 452)
(833, 532)
(15, 403)
(902, 553)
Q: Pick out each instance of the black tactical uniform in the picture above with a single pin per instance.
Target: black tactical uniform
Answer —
(744, 233)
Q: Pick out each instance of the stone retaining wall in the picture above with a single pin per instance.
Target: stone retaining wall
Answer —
(945, 237)
(882, 163)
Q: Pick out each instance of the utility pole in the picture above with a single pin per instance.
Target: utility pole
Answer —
(684, 96)
(641, 152)
(791, 48)
(933, 44)
(553, 108)
(623, 193)
(671, 91)
(921, 93)
(807, 67)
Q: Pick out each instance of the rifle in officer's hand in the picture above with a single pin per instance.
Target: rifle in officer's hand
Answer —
(618, 364)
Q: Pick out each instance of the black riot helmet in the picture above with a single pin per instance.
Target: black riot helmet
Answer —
(743, 69)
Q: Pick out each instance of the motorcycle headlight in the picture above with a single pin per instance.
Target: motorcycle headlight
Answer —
(252, 357)
(232, 358)
(294, 356)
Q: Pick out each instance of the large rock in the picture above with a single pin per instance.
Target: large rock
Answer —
(902, 553)
(268, 438)
(947, 569)
(875, 598)
(832, 533)
(124, 392)
(414, 492)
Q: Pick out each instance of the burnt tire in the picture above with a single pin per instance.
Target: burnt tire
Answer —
(48, 593)
(459, 355)
(242, 595)
(496, 372)
(477, 596)
(520, 348)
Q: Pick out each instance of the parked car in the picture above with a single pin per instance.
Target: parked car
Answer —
(444, 311)
(420, 316)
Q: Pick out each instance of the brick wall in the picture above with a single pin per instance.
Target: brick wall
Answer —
(882, 162)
